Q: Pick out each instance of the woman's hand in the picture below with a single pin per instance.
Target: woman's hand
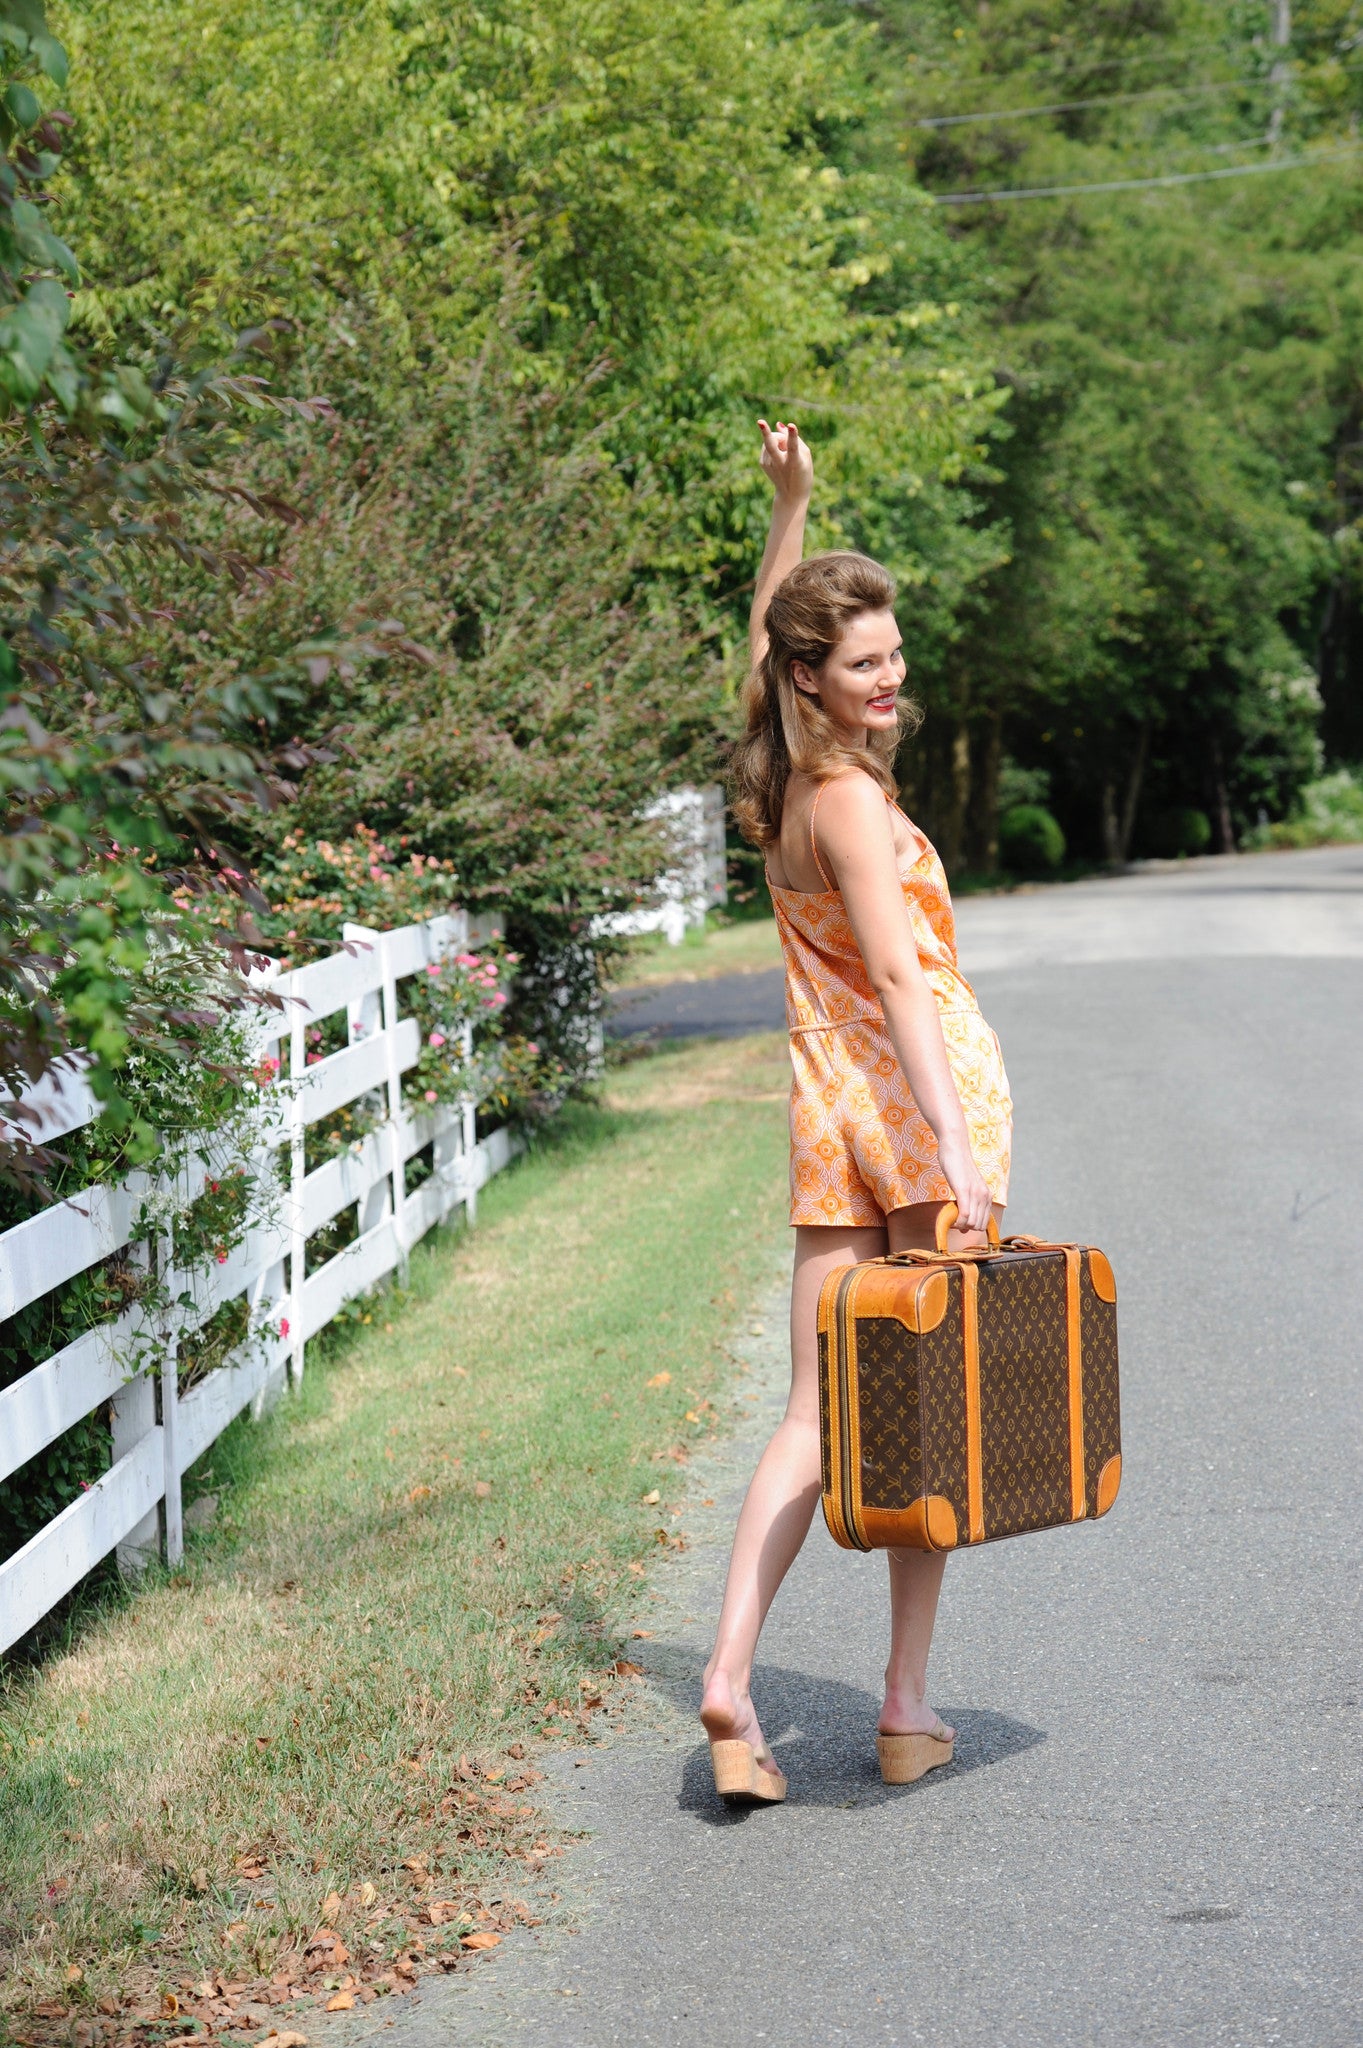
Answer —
(968, 1187)
(787, 461)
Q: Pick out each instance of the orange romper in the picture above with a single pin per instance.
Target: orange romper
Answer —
(859, 1145)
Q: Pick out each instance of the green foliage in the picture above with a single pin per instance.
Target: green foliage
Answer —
(1030, 840)
(114, 779)
(592, 244)
(1328, 812)
(1184, 375)
(1172, 833)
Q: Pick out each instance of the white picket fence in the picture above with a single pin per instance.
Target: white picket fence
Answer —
(158, 1432)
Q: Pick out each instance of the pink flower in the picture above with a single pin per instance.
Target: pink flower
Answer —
(532, 1049)
(376, 874)
(436, 1038)
(433, 968)
(221, 1256)
(431, 1095)
(283, 1326)
(466, 960)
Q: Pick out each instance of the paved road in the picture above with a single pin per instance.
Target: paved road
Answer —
(1151, 1832)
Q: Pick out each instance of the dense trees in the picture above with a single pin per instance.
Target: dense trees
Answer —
(1183, 368)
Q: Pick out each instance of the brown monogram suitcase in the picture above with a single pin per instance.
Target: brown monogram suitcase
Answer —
(966, 1396)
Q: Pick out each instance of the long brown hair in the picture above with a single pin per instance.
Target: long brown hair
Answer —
(786, 732)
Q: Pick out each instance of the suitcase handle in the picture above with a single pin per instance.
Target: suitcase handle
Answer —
(947, 1215)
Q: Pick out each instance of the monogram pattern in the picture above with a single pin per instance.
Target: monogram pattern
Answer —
(911, 1409)
(1102, 1405)
(941, 1354)
(887, 1403)
(1024, 1394)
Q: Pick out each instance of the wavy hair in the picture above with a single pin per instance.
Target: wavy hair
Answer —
(786, 732)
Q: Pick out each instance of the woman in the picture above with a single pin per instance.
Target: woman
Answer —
(899, 1101)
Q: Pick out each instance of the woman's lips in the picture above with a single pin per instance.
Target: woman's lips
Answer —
(885, 703)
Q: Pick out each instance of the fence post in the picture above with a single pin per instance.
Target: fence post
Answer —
(298, 1063)
(388, 992)
(172, 1520)
(132, 1415)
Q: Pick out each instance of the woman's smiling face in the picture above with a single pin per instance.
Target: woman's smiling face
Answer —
(859, 682)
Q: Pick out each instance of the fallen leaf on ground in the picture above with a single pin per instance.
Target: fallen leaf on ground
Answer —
(482, 1487)
(331, 1905)
(624, 1669)
(659, 1379)
(367, 1893)
(276, 2040)
(481, 1940)
(420, 1493)
(341, 2002)
(74, 1973)
(641, 1635)
(650, 1500)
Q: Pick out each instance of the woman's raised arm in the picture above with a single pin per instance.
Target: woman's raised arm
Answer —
(789, 464)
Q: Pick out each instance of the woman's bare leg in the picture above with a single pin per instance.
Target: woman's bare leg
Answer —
(784, 1492)
(915, 1575)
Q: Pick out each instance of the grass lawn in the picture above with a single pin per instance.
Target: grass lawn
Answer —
(303, 1766)
(744, 947)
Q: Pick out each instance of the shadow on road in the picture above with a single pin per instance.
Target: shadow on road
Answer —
(824, 1735)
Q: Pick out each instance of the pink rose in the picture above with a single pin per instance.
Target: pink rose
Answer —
(431, 1095)
(283, 1326)
(222, 1258)
(436, 1038)
(532, 1049)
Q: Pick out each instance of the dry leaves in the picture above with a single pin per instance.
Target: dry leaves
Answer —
(483, 1940)
(659, 1379)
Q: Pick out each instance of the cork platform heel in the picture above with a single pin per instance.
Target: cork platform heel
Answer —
(906, 1758)
(739, 1777)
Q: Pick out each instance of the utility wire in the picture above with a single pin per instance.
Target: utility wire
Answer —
(1109, 99)
(1287, 163)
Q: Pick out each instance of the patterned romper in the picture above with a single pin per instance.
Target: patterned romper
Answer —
(859, 1146)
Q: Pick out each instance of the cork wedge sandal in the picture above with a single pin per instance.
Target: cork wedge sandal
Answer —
(740, 1779)
(906, 1758)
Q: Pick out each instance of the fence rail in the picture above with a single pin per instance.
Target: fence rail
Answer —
(158, 1430)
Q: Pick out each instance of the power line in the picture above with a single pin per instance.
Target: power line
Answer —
(1112, 99)
(1287, 163)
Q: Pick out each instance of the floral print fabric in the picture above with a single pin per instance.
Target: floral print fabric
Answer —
(859, 1146)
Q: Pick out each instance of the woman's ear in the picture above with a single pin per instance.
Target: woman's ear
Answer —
(803, 679)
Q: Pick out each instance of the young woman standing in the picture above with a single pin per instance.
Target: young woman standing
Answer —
(899, 1101)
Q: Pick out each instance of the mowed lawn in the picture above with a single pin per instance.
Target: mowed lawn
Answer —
(746, 946)
(303, 1767)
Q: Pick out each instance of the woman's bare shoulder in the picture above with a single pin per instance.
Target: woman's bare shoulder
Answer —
(852, 796)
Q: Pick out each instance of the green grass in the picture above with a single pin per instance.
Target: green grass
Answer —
(745, 946)
(417, 1574)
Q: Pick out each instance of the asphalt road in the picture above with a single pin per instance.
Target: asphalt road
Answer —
(1151, 1831)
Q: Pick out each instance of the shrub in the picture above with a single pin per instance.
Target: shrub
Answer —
(1329, 812)
(1030, 840)
(1182, 830)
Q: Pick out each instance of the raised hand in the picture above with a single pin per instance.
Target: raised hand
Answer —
(787, 461)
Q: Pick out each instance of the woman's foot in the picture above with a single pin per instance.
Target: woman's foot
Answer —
(906, 1713)
(729, 1716)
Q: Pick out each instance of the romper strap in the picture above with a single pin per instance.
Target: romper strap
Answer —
(813, 842)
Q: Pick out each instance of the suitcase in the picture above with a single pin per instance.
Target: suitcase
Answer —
(968, 1396)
